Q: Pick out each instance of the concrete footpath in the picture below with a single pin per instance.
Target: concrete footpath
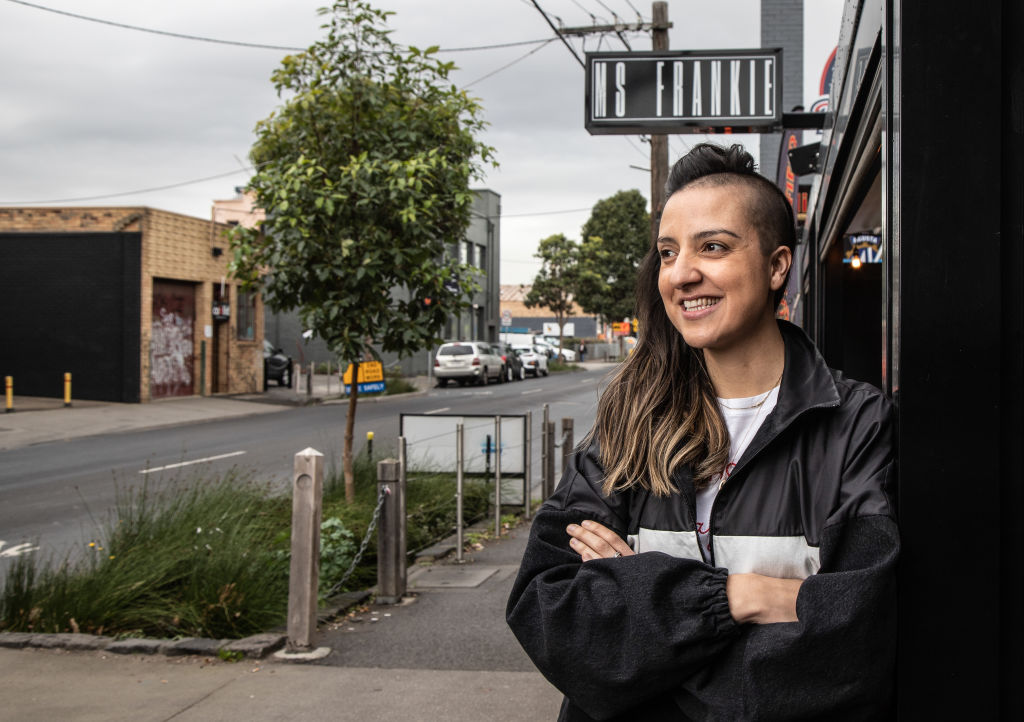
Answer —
(445, 653)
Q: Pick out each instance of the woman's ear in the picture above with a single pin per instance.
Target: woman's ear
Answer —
(779, 263)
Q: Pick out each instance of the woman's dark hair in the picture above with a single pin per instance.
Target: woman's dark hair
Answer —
(659, 411)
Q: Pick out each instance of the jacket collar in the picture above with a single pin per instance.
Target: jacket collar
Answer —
(807, 383)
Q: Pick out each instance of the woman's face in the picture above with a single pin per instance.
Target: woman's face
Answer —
(715, 280)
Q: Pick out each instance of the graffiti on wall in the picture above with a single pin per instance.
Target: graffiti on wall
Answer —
(172, 341)
(172, 353)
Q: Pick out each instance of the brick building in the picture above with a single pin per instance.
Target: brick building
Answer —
(135, 302)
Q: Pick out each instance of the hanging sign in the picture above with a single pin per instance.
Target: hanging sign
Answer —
(684, 91)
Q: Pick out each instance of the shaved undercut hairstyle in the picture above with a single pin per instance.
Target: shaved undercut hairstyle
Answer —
(659, 412)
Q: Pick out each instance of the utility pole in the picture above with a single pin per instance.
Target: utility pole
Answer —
(659, 27)
(659, 143)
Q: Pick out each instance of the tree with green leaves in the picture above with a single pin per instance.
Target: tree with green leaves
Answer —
(363, 172)
(555, 284)
(615, 239)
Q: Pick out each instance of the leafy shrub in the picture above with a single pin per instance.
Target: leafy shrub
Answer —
(337, 549)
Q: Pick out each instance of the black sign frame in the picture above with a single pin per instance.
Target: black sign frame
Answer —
(636, 113)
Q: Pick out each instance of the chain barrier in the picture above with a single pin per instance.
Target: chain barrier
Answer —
(384, 493)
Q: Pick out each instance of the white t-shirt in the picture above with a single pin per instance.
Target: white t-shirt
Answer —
(743, 424)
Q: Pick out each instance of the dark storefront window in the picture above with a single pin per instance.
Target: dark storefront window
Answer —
(246, 315)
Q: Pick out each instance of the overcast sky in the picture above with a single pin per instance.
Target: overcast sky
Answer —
(94, 110)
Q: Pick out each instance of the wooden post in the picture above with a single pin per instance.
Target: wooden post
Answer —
(497, 477)
(659, 143)
(528, 464)
(459, 445)
(567, 442)
(549, 471)
(390, 534)
(304, 577)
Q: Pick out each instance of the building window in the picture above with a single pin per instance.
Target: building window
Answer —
(481, 257)
(246, 317)
(465, 252)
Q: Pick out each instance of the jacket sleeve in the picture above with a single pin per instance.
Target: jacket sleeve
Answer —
(612, 634)
(836, 662)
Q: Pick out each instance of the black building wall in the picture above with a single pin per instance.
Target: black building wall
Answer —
(70, 303)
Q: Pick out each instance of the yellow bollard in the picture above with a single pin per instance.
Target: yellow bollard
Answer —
(9, 383)
(67, 390)
(369, 445)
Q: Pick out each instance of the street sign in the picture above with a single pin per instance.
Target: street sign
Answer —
(506, 318)
(371, 377)
(684, 91)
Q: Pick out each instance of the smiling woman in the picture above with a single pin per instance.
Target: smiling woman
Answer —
(722, 545)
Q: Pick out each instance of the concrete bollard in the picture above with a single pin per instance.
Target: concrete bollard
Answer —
(304, 575)
(391, 576)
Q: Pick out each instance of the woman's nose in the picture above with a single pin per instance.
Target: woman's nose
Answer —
(684, 271)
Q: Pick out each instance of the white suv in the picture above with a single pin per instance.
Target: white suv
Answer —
(467, 362)
(534, 358)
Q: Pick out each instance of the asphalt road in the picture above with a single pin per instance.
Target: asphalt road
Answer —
(58, 494)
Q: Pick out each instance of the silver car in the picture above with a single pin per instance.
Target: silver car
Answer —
(474, 362)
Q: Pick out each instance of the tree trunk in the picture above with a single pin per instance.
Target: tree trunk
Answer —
(350, 423)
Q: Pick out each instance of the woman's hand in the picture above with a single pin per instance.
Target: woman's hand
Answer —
(758, 599)
(595, 541)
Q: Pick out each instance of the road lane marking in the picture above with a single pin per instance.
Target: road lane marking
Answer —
(16, 550)
(531, 391)
(437, 411)
(189, 463)
(585, 381)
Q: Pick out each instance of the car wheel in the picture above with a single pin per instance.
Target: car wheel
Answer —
(442, 382)
(482, 380)
(522, 373)
(543, 372)
(508, 373)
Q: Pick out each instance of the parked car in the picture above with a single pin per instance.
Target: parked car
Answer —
(468, 362)
(514, 370)
(276, 365)
(534, 358)
(552, 343)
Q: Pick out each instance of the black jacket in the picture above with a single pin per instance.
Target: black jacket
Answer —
(650, 636)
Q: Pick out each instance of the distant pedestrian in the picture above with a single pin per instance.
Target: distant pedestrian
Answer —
(583, 351)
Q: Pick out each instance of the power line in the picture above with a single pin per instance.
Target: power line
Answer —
(592, 16)
(633, 7)
(127, 193)
(167, 33)
(561, 37)
(509, 65)
(261, 46)
(544, 213)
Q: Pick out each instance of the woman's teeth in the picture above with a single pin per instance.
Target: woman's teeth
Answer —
(699, 303)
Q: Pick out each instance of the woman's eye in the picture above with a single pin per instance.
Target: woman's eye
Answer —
(666, 254)
(714, 247)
